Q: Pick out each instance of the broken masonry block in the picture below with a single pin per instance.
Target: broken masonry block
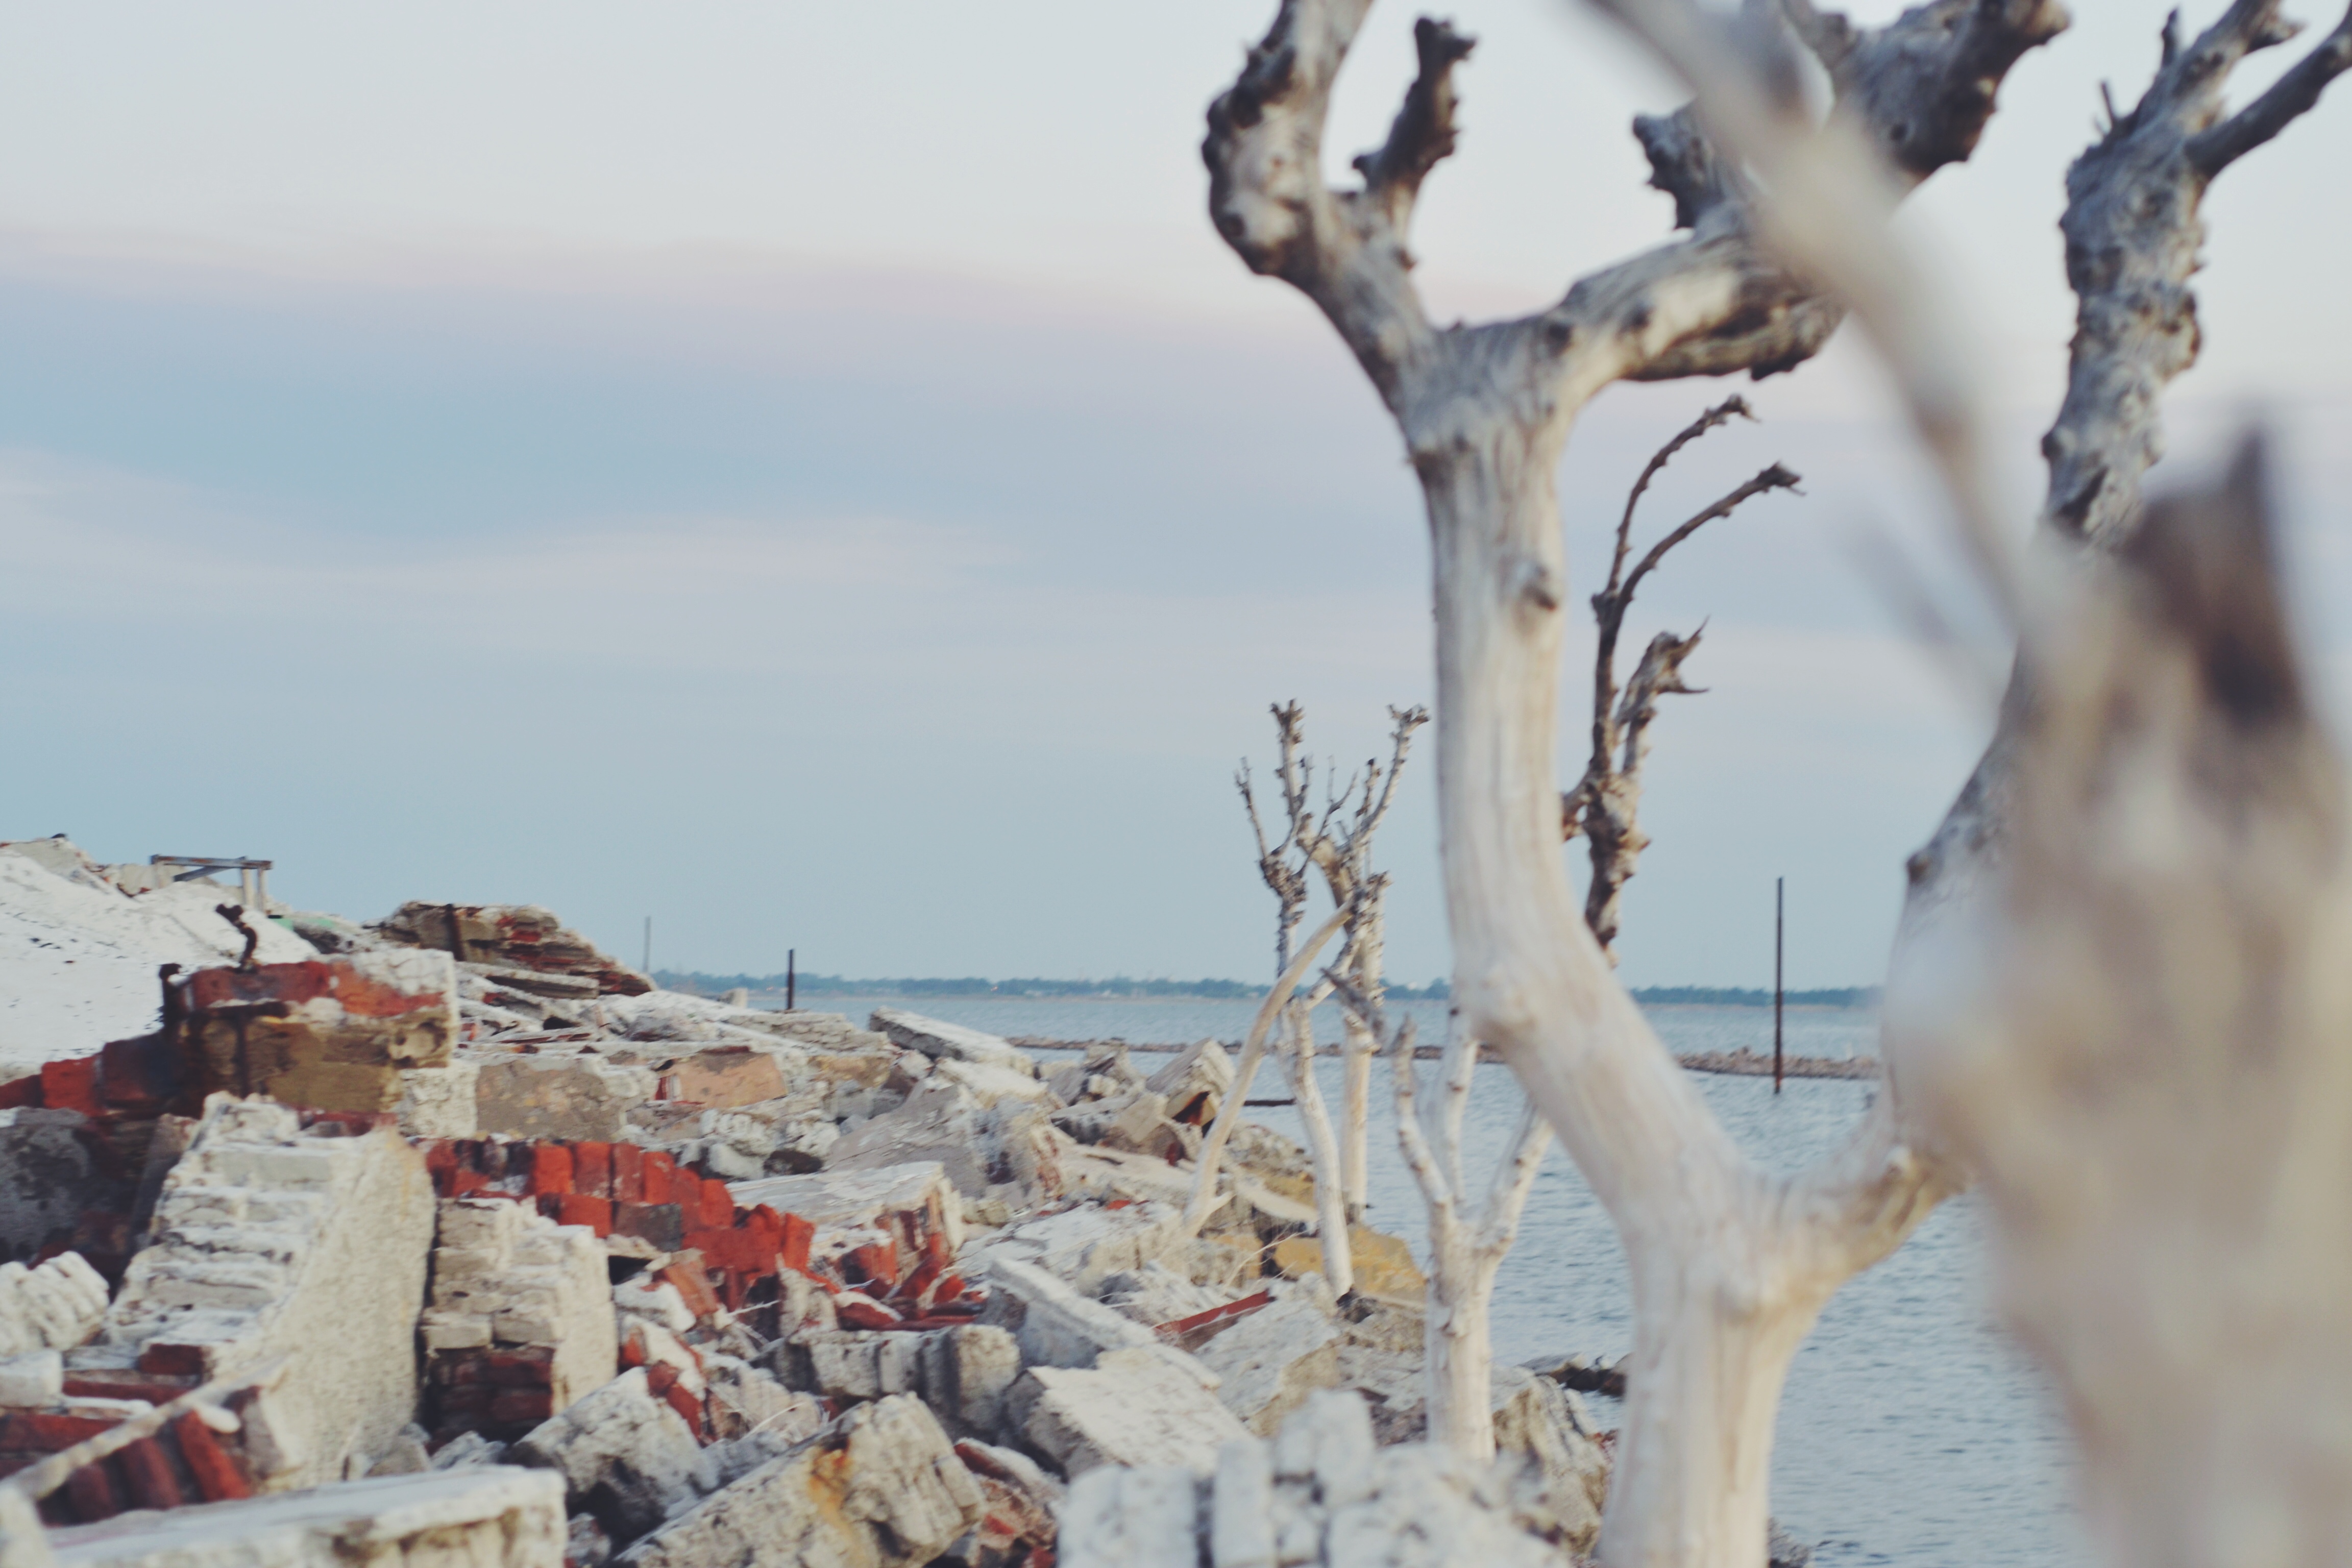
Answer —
(943, 1041)
(513, 1290)
(564, 1095)
(1148, 1405)
(280, 1235)
(522, 937)
(333, 1032)
(625, 1455)
(883, 1489)
(1269, 1361)
(1055, 1325)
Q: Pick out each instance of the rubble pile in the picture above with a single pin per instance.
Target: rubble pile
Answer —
(452, 1234)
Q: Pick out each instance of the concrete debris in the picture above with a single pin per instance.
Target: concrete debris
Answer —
(276, 1235)
(1008, 1150)
(1319, 1493)
(725, 1286)
(943, 1041)
(1053, 1322)
(1146, 1404)
(1194, 1083)
(883, 1489)
(574, 1095)
(50, 1308)
(1269, 1361)
(522, 1320)
(512, 937)
(482, 1518)
(625, 1455)
(335, 1033)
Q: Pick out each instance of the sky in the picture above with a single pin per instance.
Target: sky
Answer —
(812, 477)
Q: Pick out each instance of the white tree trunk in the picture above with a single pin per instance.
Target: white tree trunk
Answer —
(1323, 1147)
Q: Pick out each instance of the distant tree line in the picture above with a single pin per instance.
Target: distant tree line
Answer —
(1122, 986)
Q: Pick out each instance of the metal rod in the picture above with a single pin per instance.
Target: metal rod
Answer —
(1779, 933)
(792, 978)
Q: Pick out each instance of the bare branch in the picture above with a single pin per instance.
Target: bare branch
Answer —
(1417, 1155)
(1775, 477)
(1423, 133)
(2294, 94)
(1719, 414)
(1515, 1179)
(2133, 235)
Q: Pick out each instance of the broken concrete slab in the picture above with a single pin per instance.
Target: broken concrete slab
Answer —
(625, 1455)
(1007, 1151)
(484, 1517)
(966, 1374)
(1143, 1405)
(1269, 1361)
(883, 1490)
(1086, 1244)
(334, 1033)
(914, 1197)
(1319, 1494)
(565, 1096)
(1194, 1082)
(1054, 1324)
(281, 1236)
(441, 1102)
(943, 1041)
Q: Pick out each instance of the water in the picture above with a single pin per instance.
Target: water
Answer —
(1912, 1431)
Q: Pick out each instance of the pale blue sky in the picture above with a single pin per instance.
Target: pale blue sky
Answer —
(811, 474)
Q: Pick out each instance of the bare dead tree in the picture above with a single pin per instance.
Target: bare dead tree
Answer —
(1731, 1266)
(1603, 805)
(1333, 843)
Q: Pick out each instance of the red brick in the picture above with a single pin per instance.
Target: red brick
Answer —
(173, 1361)
(473, 1400)
(551, 1170)
(692, 1284)
(71, 1085)
(592, 1170)
(441, 1163)
(21, 1091)
(718, 1207)
(94, 1493)
(950, 1287)
(660, 1224)
(687, 1405)
(523, 1404)
(876, 1262)
(148, 1470)
(155, 1388)
(660, 1172)
(53, 1432)
(628, 1174)
(144, 1073)
(217, 1476)
(660, 1378)
(794, 1250)
(859, 1312)
(596, 1214)
(733, 1249)
(529, 1368)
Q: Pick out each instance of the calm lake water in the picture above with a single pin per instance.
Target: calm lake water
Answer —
(1912, 1433)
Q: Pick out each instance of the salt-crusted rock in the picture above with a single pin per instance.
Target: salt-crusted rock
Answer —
(484, 1517)
(883, 1490)
(1143, 1405)
(53, 1307)
(32, 1379)
(1269, 1361)
(966, 1374)
(441, 1102)
(1055, 1325)
(624, 1455)
(1319, 1494)
(274, 1239)
(943, 1041)
(848, 1364)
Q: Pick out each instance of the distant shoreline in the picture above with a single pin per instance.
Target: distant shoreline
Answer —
(816, 988)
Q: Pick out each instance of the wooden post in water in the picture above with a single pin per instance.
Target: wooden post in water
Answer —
(1780, 932)
(792, 978)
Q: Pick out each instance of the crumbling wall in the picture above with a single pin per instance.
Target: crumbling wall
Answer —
(521, 1324)
(334, 1033)
(282, 1236)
